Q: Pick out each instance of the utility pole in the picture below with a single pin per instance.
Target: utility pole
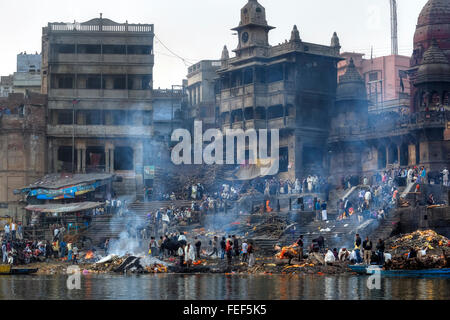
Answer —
(394, 37)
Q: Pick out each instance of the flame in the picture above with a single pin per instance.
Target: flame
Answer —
(89, 255)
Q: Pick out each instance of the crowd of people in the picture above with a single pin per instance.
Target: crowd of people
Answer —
(17, 250)
(362, 252)
(177, 245)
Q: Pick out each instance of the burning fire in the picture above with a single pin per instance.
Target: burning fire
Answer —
(89, 255)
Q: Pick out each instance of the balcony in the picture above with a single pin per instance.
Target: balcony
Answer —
(100, 131)
(82, 58)
(99, 94)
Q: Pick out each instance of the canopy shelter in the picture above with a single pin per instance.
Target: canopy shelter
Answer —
(68, 186)
(64, 208)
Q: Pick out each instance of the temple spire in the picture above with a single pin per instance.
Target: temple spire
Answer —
(295, 35)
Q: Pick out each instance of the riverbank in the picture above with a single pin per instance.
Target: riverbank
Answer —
(263, 265)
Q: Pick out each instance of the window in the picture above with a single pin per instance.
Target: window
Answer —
(275, 73)
(93, 117)
(65, 82)
(93, 82)
(248, 76)
(123, 158)
(89, 49)
(120, 83)
(146, 82)
(65, 48)
(258, 10)
(114, 49)
(373, 76)
(139, 49)
(64, 117)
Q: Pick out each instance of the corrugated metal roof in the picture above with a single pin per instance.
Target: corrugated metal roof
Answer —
(56, 181)
(64, 208)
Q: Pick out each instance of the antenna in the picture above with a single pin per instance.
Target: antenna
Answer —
(394, 37)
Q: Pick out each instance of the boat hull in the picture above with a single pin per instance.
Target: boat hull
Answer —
(368, 270)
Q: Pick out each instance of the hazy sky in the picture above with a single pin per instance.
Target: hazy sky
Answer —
(198, 29)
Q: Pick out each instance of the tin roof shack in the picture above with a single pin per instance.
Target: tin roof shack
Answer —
(22, 147)
(75, 217)
(61, 194)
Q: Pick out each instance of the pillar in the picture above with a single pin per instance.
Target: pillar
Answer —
(111, 158)
(106, 159)
(398, 155)
(83, 160)
(78, 160)
(55, 158)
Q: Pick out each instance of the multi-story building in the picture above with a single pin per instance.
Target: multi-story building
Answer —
(290, 87)
(23, 147)
(388, 88)
(201, 79)
(6, 85)
(98, 76)
(27, 77)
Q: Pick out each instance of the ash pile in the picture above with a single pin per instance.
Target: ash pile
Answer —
(418, 250)
(130, 263)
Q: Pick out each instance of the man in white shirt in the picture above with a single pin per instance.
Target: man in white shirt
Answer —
(13, 231)
(445, 177)
(244, 251)
(7, 231)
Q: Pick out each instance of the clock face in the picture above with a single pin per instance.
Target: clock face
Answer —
(245, 37)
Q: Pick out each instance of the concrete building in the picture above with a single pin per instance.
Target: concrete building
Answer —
(6, 85)
(27, 77)
(22, 147)
(388, 88)
(290, 86)
(201, 79)
(98, 76)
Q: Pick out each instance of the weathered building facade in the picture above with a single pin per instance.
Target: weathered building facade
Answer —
(98, 76)
(202, 79)
(290, 87)
(23, 147)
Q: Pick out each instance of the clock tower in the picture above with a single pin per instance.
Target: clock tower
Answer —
(253, 31)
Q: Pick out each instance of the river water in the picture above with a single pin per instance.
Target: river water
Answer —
(222, 287)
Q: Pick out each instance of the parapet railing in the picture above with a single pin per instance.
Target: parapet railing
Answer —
(144, 28)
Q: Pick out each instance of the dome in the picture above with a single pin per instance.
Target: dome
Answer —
(351, 85)
(433, 23)
(435, 66)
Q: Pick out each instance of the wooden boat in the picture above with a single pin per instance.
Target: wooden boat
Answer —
(365, 269)
(8, 270)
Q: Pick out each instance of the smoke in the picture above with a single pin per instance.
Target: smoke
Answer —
(128, 226)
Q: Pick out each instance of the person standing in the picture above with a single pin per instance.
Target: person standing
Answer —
(367, 246)
(214, 245)
(75, 254)
(106, 246)
(229, 251)
(189, 255)
(445, 177)
(20, 231)
(198, 245)
(380, 251)
(152, 247)
(181, 254)
(251, 255)
(237, 251)
(300, 248)
(358, 248)
(7, 231)
(324, 211)
(223, 245)
(13, 230)
(244, 251)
